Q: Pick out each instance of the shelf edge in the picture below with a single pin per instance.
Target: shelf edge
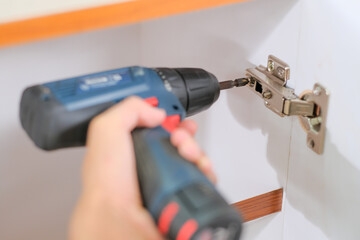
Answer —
(78, 21)
(261, 205)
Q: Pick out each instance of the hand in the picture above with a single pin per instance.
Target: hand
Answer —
(110, 204)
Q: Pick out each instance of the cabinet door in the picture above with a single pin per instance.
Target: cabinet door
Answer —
(323, 192)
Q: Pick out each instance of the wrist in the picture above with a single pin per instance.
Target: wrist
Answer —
(95, 219)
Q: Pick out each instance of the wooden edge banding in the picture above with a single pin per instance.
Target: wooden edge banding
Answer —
(260, 206)
(97, 17)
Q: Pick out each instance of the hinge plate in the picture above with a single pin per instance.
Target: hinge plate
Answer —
(315, 127)
(270, 84)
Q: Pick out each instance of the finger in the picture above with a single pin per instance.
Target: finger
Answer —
(133, 112)
(121, 119)
(190, 150)
(178, 136)
(204, 164)
(189, 125)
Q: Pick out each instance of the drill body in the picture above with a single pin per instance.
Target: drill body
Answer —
(181, 200)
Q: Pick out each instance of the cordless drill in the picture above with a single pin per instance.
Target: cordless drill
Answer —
(182, 201)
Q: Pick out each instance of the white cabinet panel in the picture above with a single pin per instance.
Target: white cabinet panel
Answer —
(323, 192)
(248, 144)
(266, 228)
(38, 189)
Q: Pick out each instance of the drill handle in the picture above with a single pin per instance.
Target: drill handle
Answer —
(179, 197)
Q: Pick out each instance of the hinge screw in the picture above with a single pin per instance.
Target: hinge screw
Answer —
(311, 143)
(270, 65)
(267, 94)
(251, 82)
(281, 72)
(317, 91)
(315, 121)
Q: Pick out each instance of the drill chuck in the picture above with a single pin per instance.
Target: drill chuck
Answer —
(195, 88)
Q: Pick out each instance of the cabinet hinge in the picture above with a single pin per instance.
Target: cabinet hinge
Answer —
(311, 106)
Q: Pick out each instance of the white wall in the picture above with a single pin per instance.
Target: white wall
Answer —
(253, 150)
(38, 189)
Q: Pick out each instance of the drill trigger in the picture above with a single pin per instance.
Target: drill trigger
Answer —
(171, 123)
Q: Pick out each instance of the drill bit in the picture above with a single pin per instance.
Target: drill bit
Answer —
(239, 82)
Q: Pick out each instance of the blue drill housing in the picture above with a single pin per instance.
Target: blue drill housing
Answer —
(113, 86)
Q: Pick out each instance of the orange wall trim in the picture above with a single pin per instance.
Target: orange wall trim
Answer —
(98, 17)
(261, 205)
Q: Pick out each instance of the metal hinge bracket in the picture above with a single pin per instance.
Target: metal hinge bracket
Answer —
(311, 106)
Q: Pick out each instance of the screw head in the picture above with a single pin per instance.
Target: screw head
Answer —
(311, 143)
(315, 121)
(270, 65)
(267, 94)
(281, 72)
(317, 91)
(251, 82)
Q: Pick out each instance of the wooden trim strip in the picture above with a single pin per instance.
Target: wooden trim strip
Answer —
(261, 205)
(98, 17)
